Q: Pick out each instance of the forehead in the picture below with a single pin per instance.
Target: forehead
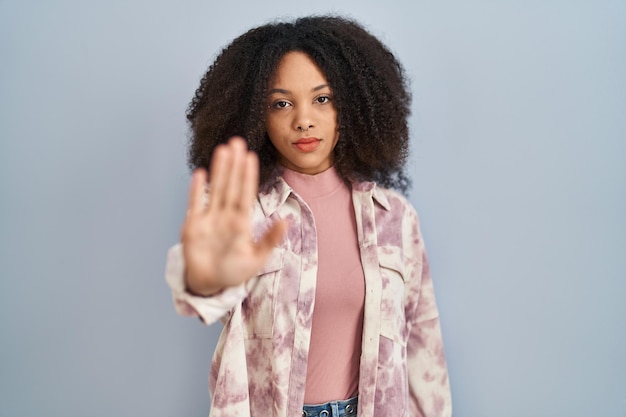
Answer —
(297, 68)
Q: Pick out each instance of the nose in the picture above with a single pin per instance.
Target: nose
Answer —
(303, 120)
(303, 128)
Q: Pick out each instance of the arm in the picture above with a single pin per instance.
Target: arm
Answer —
(209, 309)
(217, 239)
(208, 271)
(429, 387)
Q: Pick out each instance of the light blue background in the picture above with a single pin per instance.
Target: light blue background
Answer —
(519, 127)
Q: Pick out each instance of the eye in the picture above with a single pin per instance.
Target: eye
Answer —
(323, 99)
(280, 104)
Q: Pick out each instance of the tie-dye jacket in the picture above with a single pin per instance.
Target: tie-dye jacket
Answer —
(259, 366)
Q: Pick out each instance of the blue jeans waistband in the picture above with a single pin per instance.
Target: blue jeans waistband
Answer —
(344, 408)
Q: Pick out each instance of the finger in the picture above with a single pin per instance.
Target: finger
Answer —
(237, 172)
(250, 186)
(196, 200)
(219, 176)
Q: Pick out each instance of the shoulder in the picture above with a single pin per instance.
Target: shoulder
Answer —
(388, 203)
(394, 205)
(397, 223)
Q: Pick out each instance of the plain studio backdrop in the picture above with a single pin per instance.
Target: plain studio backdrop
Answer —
(519, 175)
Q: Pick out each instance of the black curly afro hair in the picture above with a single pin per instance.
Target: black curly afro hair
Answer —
(369, 91)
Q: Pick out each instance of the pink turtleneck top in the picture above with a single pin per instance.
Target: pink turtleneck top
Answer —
(334, 353)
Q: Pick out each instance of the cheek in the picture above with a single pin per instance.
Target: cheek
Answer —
(272, 136)
(270, 129)
(331, 121)
(332, 118)
(274, 125)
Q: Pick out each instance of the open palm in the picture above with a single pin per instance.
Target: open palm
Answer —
(218, 245)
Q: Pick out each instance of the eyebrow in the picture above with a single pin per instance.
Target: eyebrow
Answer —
(283, 91)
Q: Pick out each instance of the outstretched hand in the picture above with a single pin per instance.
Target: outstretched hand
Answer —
(218, 244)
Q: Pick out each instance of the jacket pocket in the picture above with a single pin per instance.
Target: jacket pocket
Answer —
(392, 273)
(259, 306)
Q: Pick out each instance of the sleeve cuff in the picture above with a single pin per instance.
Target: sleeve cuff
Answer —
(209, 309)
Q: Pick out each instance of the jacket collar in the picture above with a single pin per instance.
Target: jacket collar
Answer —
(275, 194)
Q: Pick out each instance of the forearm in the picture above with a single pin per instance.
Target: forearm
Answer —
(210, 309)
(429, 385)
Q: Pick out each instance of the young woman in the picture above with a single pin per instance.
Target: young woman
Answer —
(294, 238)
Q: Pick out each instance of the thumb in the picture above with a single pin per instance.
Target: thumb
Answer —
(272, 237)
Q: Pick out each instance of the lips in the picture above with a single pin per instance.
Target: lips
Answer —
(307, 144)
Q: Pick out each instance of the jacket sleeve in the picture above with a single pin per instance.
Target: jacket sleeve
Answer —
(208, 309)
(429, 388)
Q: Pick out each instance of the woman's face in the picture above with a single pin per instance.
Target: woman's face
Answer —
(301, 119)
